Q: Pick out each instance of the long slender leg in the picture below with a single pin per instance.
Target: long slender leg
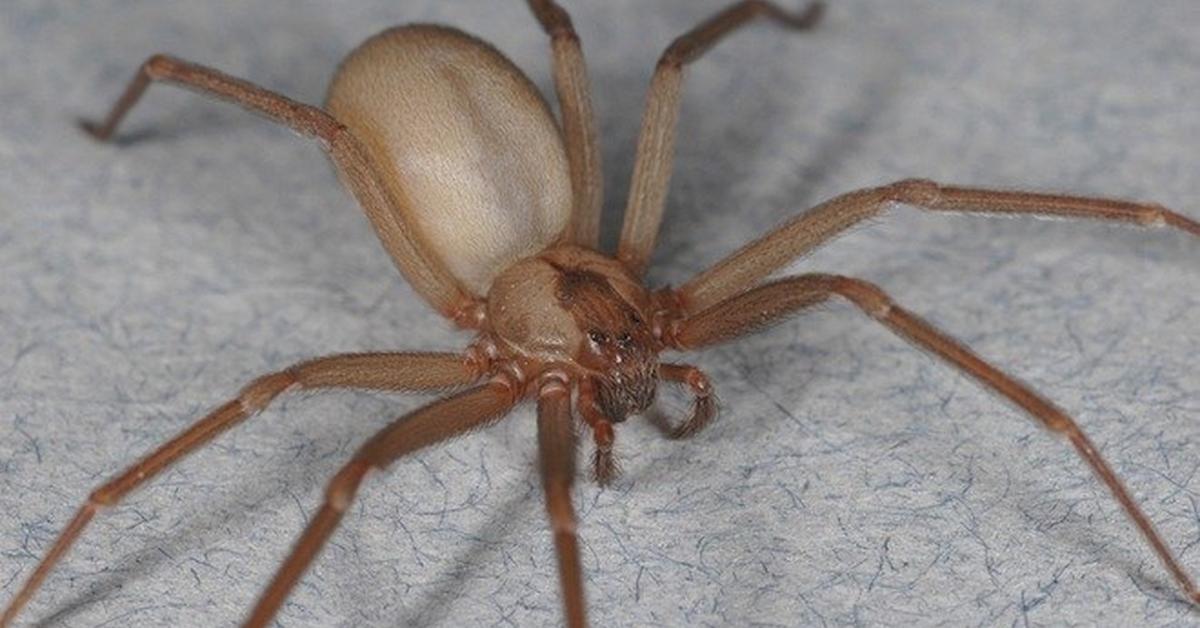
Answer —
(804, 233)
(773, 301)
(656, 143)
(377, 371)
(704, 402)
(438, 421)
(556, 453)
(579, 123)
(424, 270)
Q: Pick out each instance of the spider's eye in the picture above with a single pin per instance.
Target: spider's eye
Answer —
(598, 336)
(634, 318)
(624, 340)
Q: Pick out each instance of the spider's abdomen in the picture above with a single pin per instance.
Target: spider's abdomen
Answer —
(467, 147)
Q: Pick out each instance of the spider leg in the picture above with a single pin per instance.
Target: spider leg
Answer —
(579, 123)
(604, 464)
(556, 453)
(656, 142)
(368, 371)
(804, 233)
(436, 422)
(704, 402)
(773, 301)
(428, 276)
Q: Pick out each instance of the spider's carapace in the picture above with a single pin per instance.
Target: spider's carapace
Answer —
(570, 307)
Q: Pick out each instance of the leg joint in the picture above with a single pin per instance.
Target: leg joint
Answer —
(553, 382)
(558, 507)
(867, 296)
(1153, 216)
(160, 66)
(511, 378)
(667, 318)
(698, 382)
(103, 497)
(255, 396)
(471, 315)
(916, 191)
(677, 54)
(334, 137)
(342, 488)
(564, 34)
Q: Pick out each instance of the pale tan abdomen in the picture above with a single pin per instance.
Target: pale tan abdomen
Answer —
(467, 147)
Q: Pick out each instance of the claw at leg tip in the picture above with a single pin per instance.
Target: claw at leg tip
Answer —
(96, 131)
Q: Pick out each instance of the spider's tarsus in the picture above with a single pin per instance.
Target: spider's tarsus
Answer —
(604, 467)
(94, 129)
(805, 18)
(704, 410)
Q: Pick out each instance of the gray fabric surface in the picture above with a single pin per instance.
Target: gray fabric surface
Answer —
(850, 479)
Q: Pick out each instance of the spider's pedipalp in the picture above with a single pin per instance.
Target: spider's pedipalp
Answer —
(704, 401)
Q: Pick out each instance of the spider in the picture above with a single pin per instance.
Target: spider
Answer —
(556, 322)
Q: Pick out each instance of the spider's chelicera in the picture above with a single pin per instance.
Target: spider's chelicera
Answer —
(491, 209)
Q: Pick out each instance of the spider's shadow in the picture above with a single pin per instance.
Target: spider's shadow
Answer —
(212, 518)
(435, 606)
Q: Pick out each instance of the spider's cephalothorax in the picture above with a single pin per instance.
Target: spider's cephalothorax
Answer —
(491, 208)
(577, 310)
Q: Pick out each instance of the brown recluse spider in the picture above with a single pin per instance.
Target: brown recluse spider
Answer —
(492, 213)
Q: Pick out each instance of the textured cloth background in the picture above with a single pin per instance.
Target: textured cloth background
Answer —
(850, 479)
